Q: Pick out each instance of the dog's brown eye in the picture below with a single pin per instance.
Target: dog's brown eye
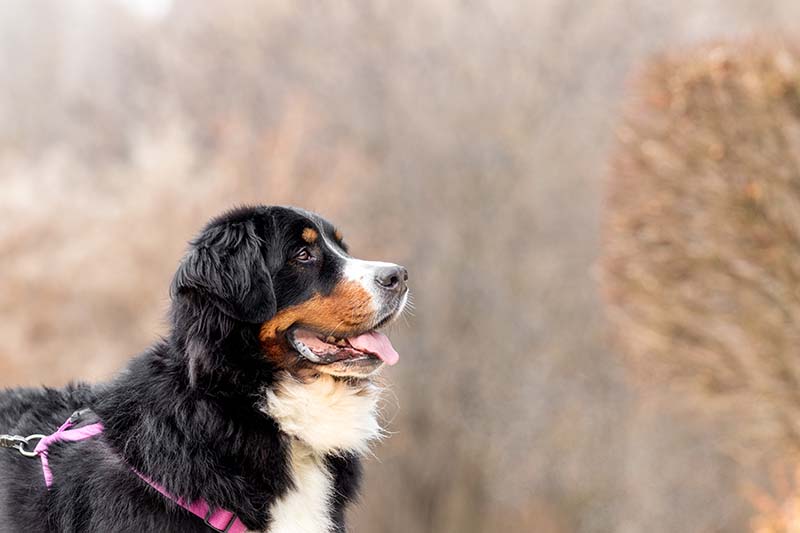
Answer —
(303, 255)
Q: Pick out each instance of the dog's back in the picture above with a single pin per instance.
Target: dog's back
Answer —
(35, 409)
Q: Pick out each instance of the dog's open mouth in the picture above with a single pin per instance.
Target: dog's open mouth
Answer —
(367, 349)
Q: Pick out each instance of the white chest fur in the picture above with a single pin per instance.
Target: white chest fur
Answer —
(328, 415)
(306, 509)
(325, 416)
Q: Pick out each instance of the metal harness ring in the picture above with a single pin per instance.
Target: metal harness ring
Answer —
(25, 441)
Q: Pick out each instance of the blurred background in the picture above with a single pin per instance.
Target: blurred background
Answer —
(598, 202)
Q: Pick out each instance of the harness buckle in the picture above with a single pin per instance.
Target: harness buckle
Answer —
(215, 528)
(78, 415)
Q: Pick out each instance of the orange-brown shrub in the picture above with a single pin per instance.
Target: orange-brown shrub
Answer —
(702, 236)
(778, 508)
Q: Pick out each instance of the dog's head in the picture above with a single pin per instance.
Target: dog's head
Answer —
(288, 273)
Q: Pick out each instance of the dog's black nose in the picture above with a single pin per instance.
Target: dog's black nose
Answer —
(392, 278)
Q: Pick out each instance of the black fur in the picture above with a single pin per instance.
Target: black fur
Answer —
(184, 411)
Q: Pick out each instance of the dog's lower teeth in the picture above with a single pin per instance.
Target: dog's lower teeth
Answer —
(341, 342)
(331, 340)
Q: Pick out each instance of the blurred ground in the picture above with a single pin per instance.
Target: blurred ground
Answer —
(466, 140)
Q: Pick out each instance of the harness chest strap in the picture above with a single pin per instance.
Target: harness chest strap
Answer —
(218, 519)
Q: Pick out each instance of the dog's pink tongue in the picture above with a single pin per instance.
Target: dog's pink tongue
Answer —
(376, 343)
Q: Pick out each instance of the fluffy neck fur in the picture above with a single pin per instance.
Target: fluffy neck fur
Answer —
(213, 420)
(326, 414)
(201, 441)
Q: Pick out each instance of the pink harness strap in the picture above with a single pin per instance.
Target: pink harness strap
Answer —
(61, 435)
(219, 519)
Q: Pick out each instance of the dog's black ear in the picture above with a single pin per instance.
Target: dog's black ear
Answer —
(226, 265)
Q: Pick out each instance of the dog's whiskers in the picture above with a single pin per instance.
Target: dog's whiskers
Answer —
(331, 334)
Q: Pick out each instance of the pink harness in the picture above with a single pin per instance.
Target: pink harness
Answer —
(219, 519)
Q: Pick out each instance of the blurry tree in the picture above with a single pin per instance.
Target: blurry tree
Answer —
(702, 257)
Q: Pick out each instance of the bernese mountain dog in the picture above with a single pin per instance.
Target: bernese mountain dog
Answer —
(260, 400)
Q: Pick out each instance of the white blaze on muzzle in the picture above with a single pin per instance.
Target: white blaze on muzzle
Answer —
(362, 272)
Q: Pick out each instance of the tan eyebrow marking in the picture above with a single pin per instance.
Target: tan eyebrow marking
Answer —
(310, 235)
(338, 235)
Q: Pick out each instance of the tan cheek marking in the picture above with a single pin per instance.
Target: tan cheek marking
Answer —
(310, 235)
(348, 307)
